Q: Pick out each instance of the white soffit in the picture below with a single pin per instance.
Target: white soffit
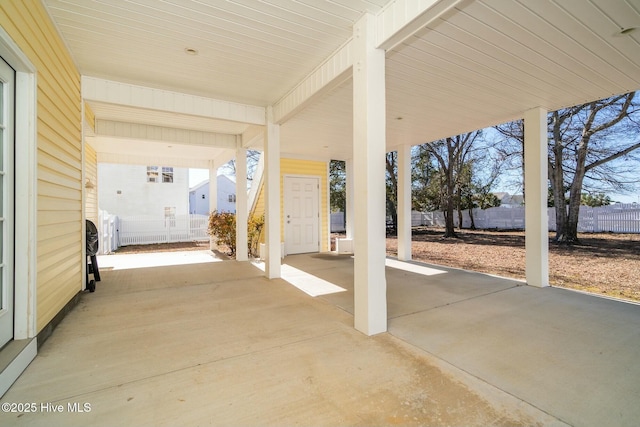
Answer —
(482, 63)
(248, 51)
(491, 60)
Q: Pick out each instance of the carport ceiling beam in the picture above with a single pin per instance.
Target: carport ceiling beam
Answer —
(164, 134)
(100, 90)
(401, 19)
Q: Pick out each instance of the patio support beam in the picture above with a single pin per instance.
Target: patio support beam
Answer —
(348, 165)
(213, 197)
(241, 203)
(401, 19)
(404, 203)
(272, 196)
(369, 128)
(536, 184)
(112, 92)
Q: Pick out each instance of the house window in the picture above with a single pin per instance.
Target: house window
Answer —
(232, 198)
(167, 174)
(152, 174)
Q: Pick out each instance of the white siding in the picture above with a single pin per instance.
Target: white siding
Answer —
(137, 196)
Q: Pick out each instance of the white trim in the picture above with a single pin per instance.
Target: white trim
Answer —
(25, 188)
(17, 365)
(7, 241)
(83, 179)
(327, 211)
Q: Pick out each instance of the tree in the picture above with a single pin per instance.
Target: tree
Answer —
(589, 148)
(582, 140)
(458, 171)
(595, 200)
(337, 186)
(391, 165)
(475, 192)
(451, 155)
(424, 169)
(253, 157)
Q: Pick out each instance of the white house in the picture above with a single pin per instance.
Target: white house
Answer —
(510, 200)
(226, 200)
(151, 190)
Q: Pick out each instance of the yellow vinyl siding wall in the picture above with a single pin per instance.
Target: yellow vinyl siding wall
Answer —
(91, 194)
(59, 153)
(301, 168)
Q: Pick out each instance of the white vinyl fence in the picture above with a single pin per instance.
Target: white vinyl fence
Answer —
(144, 230)
(618, 218)
(337, 222)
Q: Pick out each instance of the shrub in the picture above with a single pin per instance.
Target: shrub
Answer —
(254, 231)
(222, 225)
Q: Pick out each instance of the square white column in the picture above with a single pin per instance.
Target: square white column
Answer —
(242, 247)
(404, 203)
(349, 215)
(272, 197)
(369, 107)
(213, 197)
(536, 188)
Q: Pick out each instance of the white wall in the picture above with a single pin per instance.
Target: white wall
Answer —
(137, 196)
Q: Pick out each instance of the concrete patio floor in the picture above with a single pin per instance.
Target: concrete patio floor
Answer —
(215, 343)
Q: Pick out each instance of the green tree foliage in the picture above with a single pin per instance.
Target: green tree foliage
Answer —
(337, 186)
(595, 200)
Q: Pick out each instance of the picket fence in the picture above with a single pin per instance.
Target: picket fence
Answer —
(618, 218)
(144, 230)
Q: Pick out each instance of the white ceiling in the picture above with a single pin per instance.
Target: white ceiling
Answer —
(483, 63)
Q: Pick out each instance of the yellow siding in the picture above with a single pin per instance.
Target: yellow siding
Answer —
(91, 174)
(60, 240)
(302, 168)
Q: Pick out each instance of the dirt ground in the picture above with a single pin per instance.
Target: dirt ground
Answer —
(164, 247)
(603, 263)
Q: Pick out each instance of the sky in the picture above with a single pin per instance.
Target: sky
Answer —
(196, 176)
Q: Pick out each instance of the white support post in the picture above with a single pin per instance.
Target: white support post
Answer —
(349, 216)
(242, 214)
(369, 128)
(213, 197)
(272, 197)
(404, 203)
(536, 185)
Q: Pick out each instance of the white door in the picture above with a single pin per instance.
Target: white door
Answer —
(7, 89)
(301, 215)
